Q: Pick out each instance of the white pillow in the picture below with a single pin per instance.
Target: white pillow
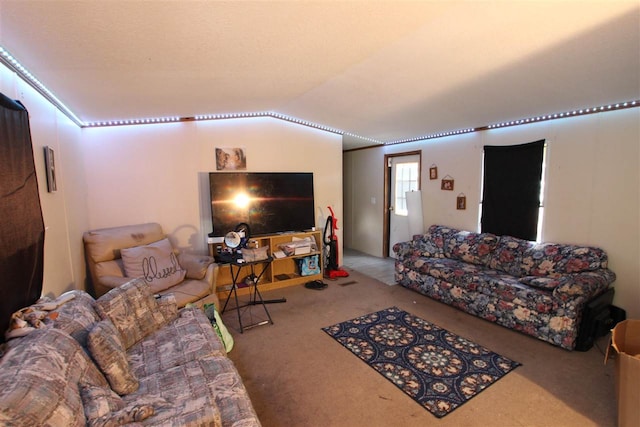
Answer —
(156, 263)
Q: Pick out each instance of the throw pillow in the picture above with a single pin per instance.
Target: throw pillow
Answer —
(133, 310)
(156, 263)
(106, 348)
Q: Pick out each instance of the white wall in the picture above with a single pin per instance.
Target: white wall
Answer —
(159, 173)
(64, 212)
(592, 195)
(132, 174)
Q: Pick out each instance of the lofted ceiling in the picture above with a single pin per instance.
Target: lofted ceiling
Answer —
(384, 70)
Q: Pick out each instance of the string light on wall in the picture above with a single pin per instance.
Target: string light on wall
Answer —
(432, 136)
(13, 64)
(565, 114)
(129, 122)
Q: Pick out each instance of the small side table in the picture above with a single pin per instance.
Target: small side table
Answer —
(255, 297)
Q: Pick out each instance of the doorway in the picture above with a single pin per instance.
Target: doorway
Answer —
(401, 174)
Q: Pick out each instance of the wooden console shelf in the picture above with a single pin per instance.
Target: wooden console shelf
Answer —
(281, 273)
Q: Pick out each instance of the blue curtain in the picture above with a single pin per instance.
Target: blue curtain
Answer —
(511, 194)
(21, 222)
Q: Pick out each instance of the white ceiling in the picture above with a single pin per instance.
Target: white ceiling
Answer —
(386, 70)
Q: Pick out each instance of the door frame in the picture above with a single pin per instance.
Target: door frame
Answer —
(387, 195)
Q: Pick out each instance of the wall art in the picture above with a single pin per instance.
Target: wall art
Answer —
(461, 202)
(447, 183)
(433, 172)
(50, 166)
(231, 159)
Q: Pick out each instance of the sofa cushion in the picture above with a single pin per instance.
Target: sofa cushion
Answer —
(190, 291)
(156, 263)
(508, 254)
(104, 408)
(553, 259)
(107, 350)
(474, 248)
(133, 310)
(99, 401)
(187, 338)
(434, 242)
(40, 375)
(188, 392)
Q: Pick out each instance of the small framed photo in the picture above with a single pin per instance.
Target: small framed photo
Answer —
(50, 166)
(231, 159)
(433, 172)
(447, 184)
(461, 202)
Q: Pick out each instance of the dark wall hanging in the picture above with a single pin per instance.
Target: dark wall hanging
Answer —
(511, 195)
(22, 225)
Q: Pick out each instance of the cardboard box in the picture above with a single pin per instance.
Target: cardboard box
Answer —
(625, 345)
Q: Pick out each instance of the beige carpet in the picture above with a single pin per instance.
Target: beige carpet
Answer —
(297, 375)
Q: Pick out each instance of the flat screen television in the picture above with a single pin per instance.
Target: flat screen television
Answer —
(269, 202)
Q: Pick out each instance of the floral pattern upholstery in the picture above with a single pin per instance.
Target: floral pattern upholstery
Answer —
(537, 289)
(50, 377)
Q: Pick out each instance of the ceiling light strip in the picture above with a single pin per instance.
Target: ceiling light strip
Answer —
(129, 122)
(12, 63)
(566, 114)
(432, 136)
(555, 116)
(9, 60)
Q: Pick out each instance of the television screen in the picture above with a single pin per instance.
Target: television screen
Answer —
(269, 202)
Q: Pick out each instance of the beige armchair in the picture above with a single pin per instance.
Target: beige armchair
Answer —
(116, 255)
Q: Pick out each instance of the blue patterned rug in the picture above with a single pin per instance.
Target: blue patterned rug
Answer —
(438, 369)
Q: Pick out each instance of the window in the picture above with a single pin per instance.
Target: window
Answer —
(406, 180)
(512, 202)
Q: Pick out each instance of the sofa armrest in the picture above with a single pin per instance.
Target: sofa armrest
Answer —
(211, 276)
(404, 249)
(584, 286)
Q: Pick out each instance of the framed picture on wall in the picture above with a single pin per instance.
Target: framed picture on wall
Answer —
(433, 172)
(50, 165)
(461, 202)
(447, 184)
(231, 159)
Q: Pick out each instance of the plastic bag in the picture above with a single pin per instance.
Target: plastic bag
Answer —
(218, 326)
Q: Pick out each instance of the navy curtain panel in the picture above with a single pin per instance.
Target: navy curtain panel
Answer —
(21, 222)
(511, 194)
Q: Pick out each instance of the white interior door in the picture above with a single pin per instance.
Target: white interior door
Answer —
(405, 177)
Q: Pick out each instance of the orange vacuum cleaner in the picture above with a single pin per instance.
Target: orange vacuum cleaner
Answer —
(330, 240)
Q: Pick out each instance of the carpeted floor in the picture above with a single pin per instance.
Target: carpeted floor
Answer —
(296, 375)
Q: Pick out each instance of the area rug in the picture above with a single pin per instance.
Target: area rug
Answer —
(436, 368)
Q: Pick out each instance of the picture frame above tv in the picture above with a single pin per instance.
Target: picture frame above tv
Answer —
(269, 202)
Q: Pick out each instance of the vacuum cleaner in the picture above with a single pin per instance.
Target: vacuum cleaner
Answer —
(330, 239)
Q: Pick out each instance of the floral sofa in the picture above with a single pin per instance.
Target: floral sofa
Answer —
(539, 289)
(127, 358)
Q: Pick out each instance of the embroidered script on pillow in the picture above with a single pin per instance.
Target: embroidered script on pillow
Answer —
(156, 263)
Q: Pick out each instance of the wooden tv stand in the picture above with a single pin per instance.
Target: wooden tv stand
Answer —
(281, 273)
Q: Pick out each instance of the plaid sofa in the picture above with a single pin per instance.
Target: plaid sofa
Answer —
(127, 358)
(539, 289)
